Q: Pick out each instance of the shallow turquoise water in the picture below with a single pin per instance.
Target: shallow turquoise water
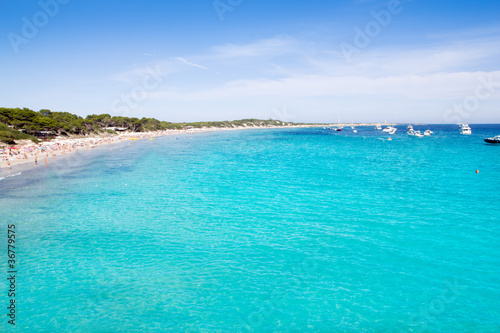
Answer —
(287, 230)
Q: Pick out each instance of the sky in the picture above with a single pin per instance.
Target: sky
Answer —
(404, 61)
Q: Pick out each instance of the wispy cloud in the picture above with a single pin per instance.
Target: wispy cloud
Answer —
(458, 56)
(162, 68)
(184, 61)
(261, 48)
(411, 87)
(432, 75)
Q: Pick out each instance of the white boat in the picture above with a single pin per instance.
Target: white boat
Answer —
(390, 129)
(428, 133)
(378, 127)
(465, 129)
(409, 128)
(354, 130)
(417, 134)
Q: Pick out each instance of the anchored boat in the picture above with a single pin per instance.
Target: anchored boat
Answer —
(417, 134)
(390, 129)
(465, 129)
(495, 139)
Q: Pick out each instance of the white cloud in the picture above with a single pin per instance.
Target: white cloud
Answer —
(261, 48)
(311, 76)
(132, 76)
(433, 72)
(184, 61)
(417, 87)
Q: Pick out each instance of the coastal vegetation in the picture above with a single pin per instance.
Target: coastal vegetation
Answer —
(9, 135)
(17, 123)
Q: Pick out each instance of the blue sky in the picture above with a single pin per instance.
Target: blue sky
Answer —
(433, 61)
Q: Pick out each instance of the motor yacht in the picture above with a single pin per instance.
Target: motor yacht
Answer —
(417, 134)
(390, 129)
(465, 129)
(495, 139)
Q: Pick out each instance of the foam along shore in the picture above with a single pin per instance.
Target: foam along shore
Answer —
(26, 154)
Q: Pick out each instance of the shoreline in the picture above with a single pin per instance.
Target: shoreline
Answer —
(27, 155)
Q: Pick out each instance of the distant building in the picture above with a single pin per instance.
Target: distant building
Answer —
(45, 134)
(116, 129)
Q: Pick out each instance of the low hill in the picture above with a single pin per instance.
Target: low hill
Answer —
(65, 123)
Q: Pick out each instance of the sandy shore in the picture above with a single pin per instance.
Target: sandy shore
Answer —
(26, 154)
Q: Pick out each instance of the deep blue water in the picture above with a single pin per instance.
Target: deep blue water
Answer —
(283, 230)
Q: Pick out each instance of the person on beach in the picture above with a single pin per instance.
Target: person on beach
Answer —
(36, 160)
(45, 159)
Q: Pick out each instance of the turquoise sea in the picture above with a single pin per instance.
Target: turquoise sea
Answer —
(268, 230)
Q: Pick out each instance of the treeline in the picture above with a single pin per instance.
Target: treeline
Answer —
(236, 123)
(9, 135)
(64, 123)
